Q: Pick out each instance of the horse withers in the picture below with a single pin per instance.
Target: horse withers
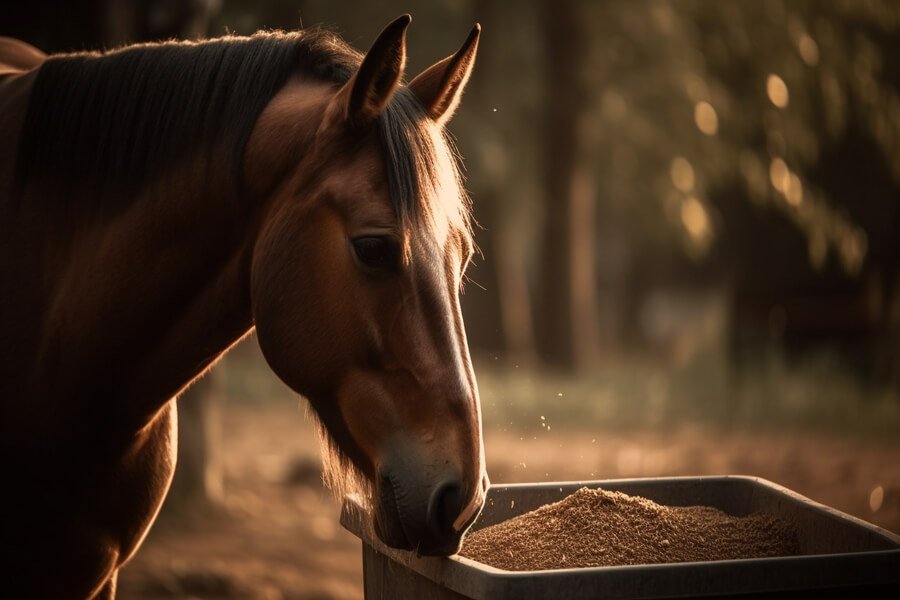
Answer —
(157, 203)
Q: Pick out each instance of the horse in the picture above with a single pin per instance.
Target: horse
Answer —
(158, 203)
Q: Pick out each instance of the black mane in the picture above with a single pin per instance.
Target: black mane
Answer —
(113, 120)
(121, 116)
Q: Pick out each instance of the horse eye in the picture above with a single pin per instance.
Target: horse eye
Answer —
(380, 253)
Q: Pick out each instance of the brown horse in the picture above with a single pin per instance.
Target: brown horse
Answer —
(157, 203)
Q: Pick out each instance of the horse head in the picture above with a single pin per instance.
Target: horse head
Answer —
(355, 279)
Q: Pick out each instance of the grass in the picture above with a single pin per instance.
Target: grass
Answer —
(638, 392)
(817, 395)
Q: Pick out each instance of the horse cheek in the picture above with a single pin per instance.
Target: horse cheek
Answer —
(300, 303)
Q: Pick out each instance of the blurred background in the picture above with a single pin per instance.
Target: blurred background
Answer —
(689, 223)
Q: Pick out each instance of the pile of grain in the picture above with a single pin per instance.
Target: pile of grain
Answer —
(593, 528)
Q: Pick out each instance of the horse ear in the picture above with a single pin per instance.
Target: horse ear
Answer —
(372, 87)
(440, 86)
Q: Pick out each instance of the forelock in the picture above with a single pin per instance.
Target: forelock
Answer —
(423, 169)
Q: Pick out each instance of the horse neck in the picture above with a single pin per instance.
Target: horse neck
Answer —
(134, 306)
(143, 301)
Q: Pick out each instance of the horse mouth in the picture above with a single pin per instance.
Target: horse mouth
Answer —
(388, 521)
(397, 532)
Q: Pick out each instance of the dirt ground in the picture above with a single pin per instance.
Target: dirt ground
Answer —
(277, 536)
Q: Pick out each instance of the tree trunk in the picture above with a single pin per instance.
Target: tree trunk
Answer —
(199, 476)
(585, 325)
(567, 291)
(503, 268)
(514, 296)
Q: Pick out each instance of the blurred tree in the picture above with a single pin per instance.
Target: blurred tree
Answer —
(154, 20)
(97, 24)
(497, 299)
(199, 480)
(756, 144)
(821, 111)
(57, 25)
(567, 298)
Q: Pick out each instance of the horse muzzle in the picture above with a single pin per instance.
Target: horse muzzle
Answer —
(429, 520)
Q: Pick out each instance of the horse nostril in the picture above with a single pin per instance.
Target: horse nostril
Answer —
(444, 506)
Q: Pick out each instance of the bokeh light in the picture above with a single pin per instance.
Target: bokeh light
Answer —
(809, 50)
(779, 175)
(876, 498)
(777, 91)
(695, 219)
(705, 118)
(682, 174)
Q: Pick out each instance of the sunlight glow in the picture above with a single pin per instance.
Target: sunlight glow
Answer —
(777, 90)
(787, 183)
(876, 498)
(779, 175)
(695, 219)
(794, 193)
(854, 245)
(682, 174)
(447, 207)
(706, 118)
(809, 50)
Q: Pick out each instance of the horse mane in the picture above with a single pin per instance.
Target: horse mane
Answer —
(113, 120)
(119, 117)
(339, 473)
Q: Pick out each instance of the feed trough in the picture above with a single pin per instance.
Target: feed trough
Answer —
(837, 552)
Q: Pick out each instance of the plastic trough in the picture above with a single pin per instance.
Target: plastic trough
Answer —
(839, 553)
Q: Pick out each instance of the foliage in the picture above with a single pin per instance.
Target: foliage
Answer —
(695, 96)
